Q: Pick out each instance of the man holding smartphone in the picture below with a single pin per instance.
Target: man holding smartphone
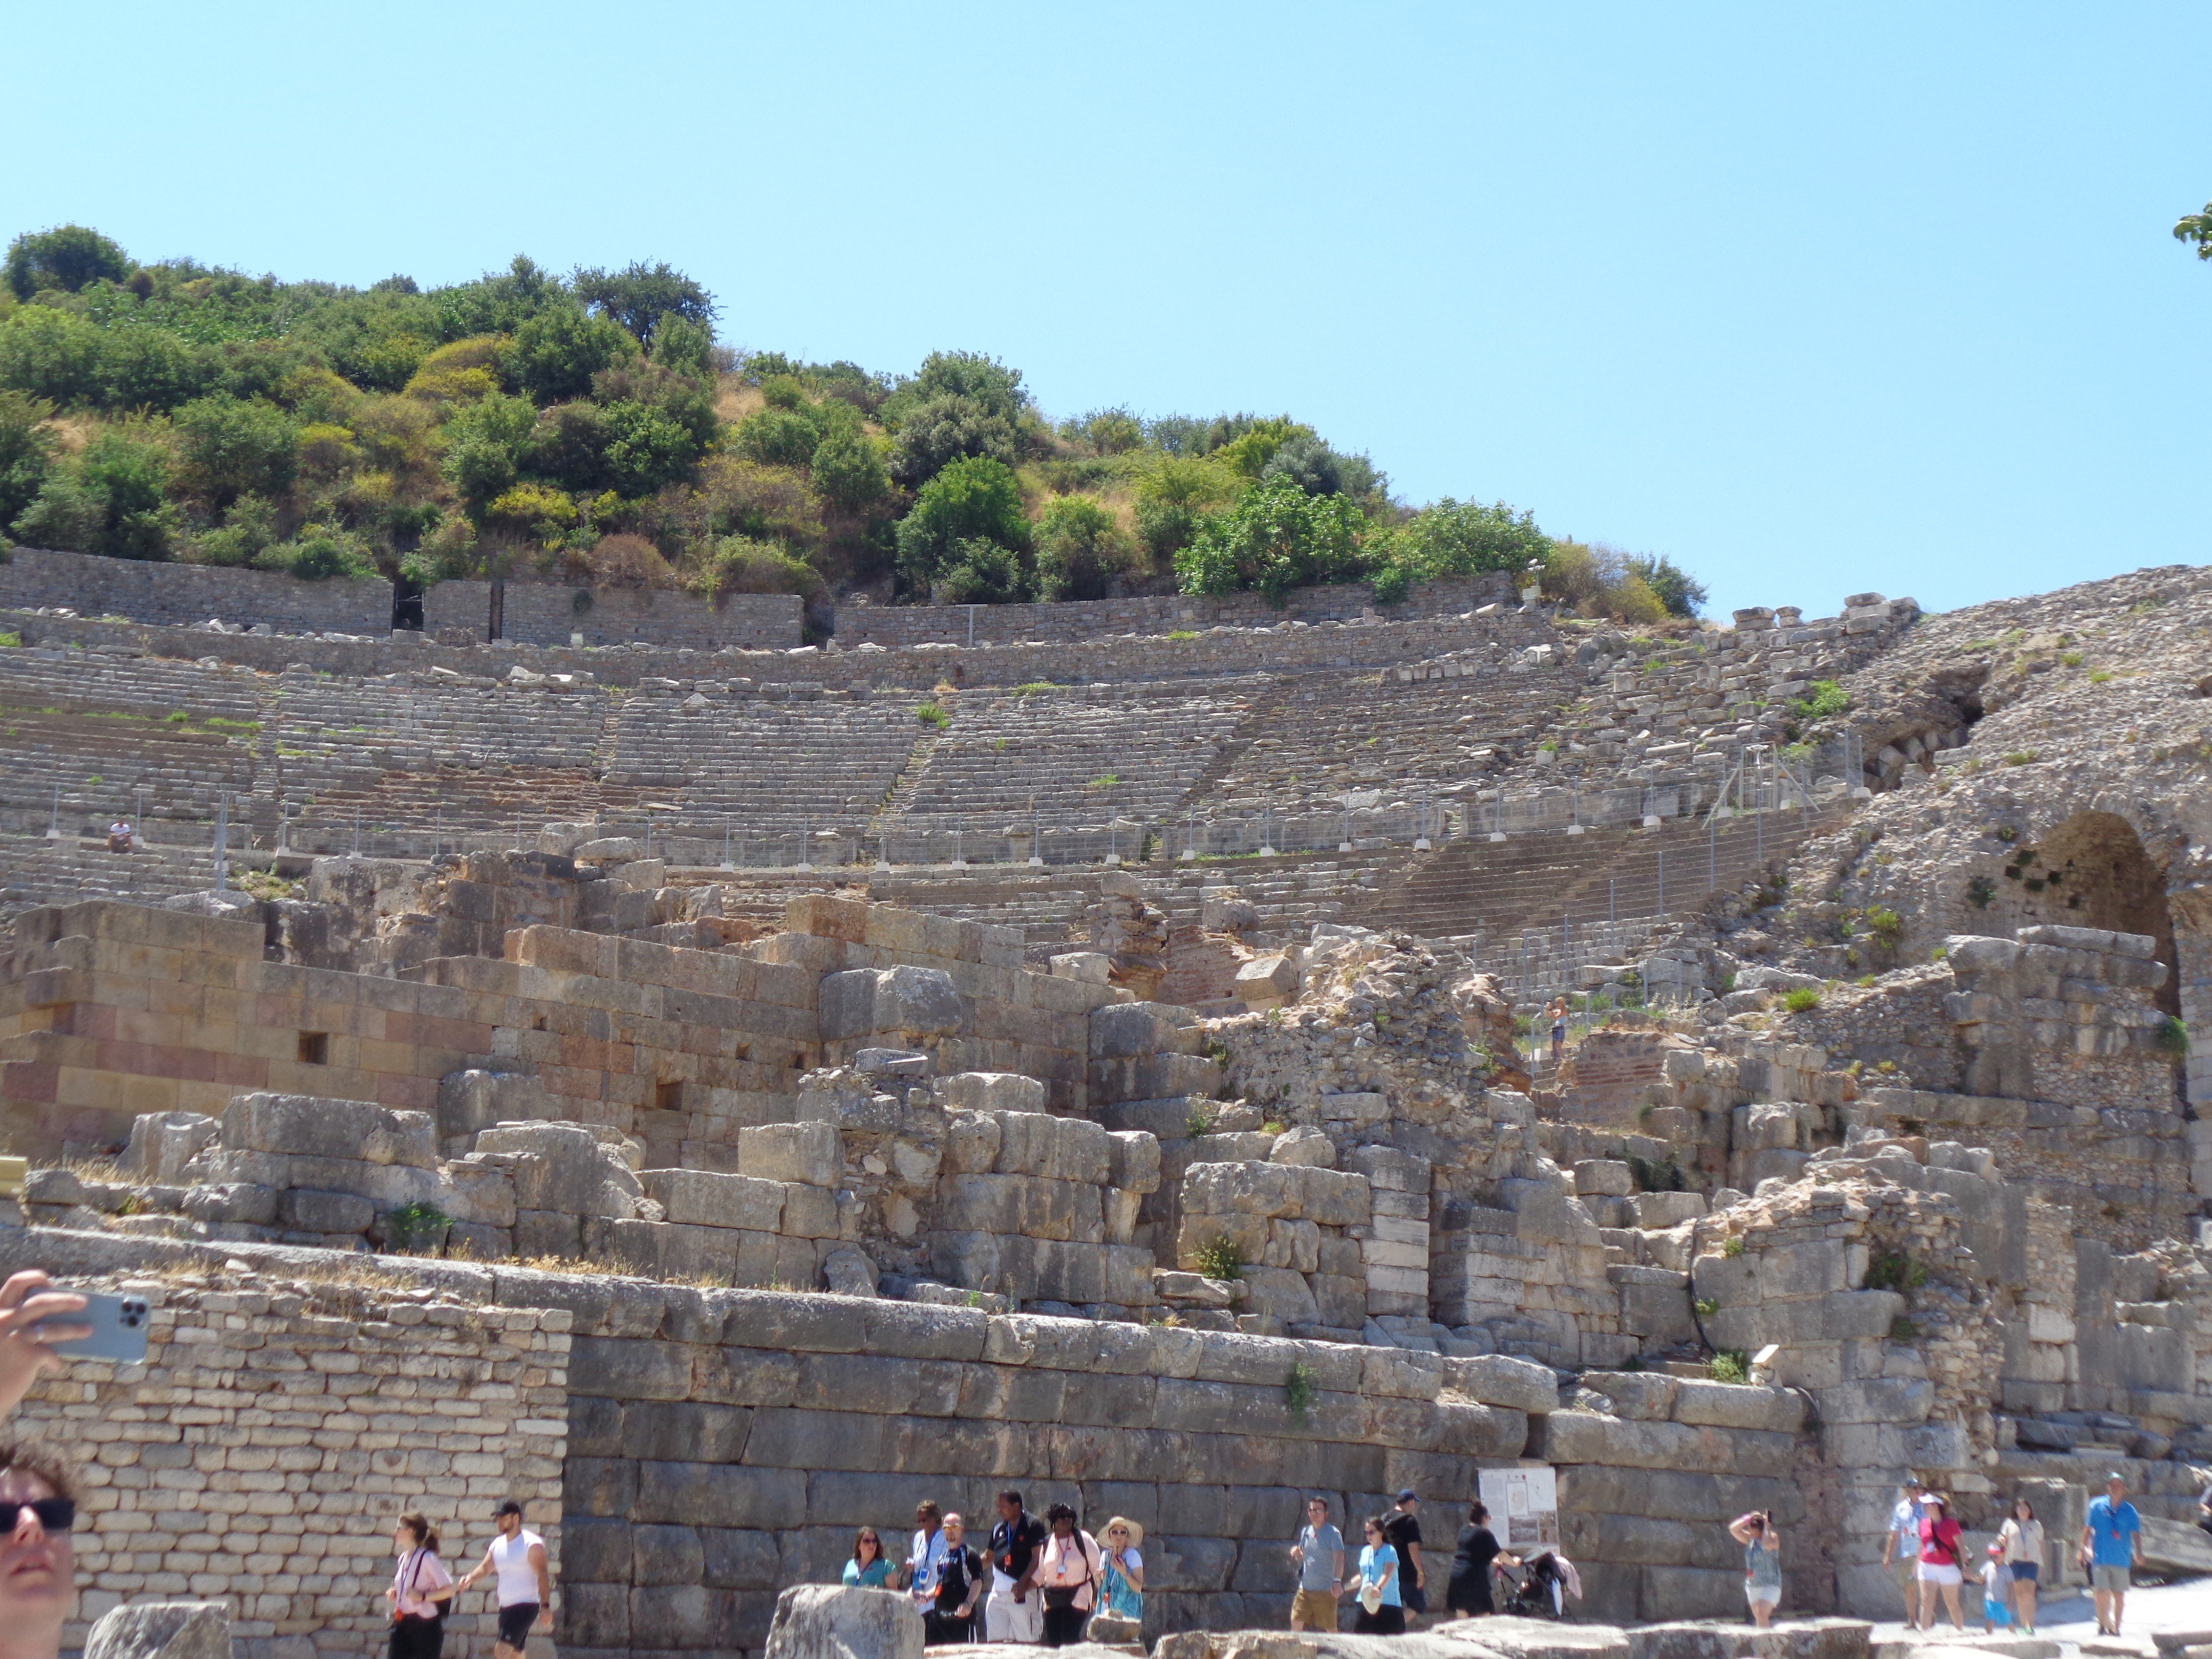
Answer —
(31, 1312)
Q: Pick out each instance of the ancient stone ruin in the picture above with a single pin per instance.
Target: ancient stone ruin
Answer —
(689, 1091)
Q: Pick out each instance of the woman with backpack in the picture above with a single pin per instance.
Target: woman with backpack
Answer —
(1067, 1575)
(421, 1589)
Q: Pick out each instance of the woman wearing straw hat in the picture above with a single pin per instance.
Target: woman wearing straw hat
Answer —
(1125, 1569)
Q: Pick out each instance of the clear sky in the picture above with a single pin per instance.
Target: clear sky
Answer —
(1810, 300)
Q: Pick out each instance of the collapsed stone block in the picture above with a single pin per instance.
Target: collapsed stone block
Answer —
(475, 1099)
(809, 1153)
(564, 1168)
(310, 1125)
(698, 1198)
(878, 1002)
(163, 1143)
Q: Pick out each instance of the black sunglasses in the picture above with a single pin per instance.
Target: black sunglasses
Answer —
(55, 1514)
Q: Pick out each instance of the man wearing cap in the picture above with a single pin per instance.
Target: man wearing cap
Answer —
(517, 1557)
(2112, 1545)
(1900, 1551)
(1403, 1529)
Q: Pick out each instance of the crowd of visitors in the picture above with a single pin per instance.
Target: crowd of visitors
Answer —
(1042, 1582)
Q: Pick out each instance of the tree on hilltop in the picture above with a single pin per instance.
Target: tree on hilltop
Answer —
(65, 258)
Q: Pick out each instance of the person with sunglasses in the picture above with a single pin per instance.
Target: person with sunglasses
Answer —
(38, 1562)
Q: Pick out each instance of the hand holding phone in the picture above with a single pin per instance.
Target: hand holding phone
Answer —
(35, 1316)
(112, 1327)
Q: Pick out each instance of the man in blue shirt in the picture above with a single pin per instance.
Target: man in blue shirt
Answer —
(2112, 1543)
(1900, 1551)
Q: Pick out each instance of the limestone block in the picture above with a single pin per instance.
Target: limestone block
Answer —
(312, 1126)
(1089, 967)
(1305, 1146)
(475, 1099)
(849, 1103)
(1242, 1188)
(1389, 1169)
(548, 1233)
(971, 1142)
(704, 1199)
(811, 1213)
(808, 1153)
(308, 1211)
(873, 1001)
(1132, 1161)
(162, 1630)
(1642, 1396)
(1733, 1406)
(1266, 982)
(163, 1143)
(1283, 1293)
(1501, 1380)
(1202, 1234)
(607, 849)
(1656, 1211)
(848, 1272)
(829, 1621)
(1168, 1119)
(1335, 1198)
(1340, 1300)
(1031, 1205)
(990, 1092)
(1604, 1178)
(477, 1193)
(235, 1202)
(1579, 1437)
(1121, 1211)
(1062, 1149)
(564, 1167)
(1131, 1030)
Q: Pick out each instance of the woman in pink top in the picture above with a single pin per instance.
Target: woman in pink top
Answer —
(421, 1588)
(1067, 1570)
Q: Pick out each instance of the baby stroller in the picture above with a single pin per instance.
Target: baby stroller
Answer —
(1546, 1584)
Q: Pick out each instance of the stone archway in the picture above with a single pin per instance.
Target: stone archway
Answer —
(2090, 871)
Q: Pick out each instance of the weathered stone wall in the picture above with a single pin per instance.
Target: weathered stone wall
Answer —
(551, 613)
(183, 594)
(282, 1422)
(1092, 619)
(1290, 646)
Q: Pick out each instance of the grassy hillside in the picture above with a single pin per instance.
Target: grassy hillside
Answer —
(591, 427)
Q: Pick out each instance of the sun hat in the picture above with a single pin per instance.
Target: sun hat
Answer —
(1136, 1530)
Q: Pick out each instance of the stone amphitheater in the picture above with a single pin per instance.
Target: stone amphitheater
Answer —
(723, 1090)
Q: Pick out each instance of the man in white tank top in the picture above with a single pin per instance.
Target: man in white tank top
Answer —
(516, 1559)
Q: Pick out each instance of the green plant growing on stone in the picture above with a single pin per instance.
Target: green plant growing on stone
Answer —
(1706, 1307)
(1802, 1000)
(2173, 1038)
(1729, 1365)
(1733, 1248)
(415, 1227)
(1301, 1391)
(1979, 891)
(930, 713)
(11, 640)
(1902, 1329)
(1182, 633)
(1895, 1270)
(1220, 1257)
(1201, 1121)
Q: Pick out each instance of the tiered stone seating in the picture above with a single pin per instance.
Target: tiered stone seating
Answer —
(40, 871)
(112, 732)
(401, 752)
(776, 768)
(1081, 754)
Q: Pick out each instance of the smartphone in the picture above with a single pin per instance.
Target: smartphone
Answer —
(118, 1328)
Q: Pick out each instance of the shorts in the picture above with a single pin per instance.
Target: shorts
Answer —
(1315, 1609)
(1006, 1620)
(1755, 1594)
(1931, 1573)
(514, 1623)
(1385, 1621)
(2114, 1579)
(1415, 1598)
(2025, 1572)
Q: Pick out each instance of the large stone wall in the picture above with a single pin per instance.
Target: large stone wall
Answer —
(553, 613)
(183, 594)
(1164, 613)
(282, 1422)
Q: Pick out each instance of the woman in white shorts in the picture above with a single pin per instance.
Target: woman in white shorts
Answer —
(1941, 1540)
(1762, 1563)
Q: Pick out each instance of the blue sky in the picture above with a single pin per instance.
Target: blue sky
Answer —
(1810, 300)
